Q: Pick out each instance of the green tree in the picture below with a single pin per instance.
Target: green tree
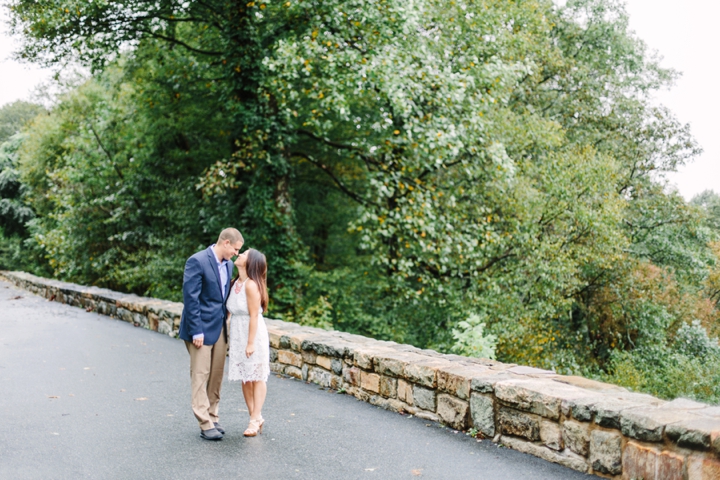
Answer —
(709, 202)
(14, 116)
(15, 213)
(112, 174)
(478, 176)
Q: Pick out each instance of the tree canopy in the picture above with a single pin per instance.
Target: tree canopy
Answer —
(14, 116)
(482, 177)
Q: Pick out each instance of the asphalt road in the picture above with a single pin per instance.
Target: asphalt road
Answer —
(86, 396)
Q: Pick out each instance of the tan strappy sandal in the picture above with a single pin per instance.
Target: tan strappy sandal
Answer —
(254, 428)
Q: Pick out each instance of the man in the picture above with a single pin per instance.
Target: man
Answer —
(206, 284)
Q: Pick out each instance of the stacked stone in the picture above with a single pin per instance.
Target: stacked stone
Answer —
(586, 425)
(582, 424)
(157, 315)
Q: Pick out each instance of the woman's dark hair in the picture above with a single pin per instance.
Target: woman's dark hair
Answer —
(256, 268)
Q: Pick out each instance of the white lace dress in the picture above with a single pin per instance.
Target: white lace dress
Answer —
(257, 367)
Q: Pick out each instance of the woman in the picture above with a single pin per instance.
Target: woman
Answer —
(249, 342)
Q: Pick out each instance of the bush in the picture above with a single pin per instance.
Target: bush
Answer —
(693, 341)
(472, 339)
(689, 367)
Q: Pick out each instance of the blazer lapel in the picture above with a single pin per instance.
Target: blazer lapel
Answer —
(213, 263)
(229, 277)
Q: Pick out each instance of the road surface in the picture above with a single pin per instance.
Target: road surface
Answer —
(86, 396)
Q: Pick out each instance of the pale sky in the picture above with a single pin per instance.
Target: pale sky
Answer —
(17, 80)
(684, 33)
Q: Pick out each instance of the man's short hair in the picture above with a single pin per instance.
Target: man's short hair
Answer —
(232, 234)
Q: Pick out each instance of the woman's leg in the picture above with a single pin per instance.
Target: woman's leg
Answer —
(259, 393)
(256, 392)
(247, 388)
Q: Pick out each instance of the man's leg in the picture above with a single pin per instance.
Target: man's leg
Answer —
(200, 367)
(217, 367)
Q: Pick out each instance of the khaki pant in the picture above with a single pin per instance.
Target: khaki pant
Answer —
(207, 364)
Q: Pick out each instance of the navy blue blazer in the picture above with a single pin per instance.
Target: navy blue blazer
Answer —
(204, 301)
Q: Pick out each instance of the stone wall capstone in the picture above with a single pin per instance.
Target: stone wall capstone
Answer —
(582, 424)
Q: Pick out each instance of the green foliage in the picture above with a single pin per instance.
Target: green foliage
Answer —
(14, 116)
(709, 202)
(693, 341)
(667, 373)
(472, 340)
(17, 252)
(108, 189)
(480, 177)
(14, 214)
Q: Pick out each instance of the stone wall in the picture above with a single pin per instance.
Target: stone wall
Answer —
(586, 425)
(158, 315)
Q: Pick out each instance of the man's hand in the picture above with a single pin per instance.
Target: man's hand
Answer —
(198, 342)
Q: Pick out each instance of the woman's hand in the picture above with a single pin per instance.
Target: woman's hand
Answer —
(250, 349)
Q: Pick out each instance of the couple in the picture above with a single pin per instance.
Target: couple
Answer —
(219, 311)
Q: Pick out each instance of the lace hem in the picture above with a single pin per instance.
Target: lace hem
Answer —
(248, 372)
